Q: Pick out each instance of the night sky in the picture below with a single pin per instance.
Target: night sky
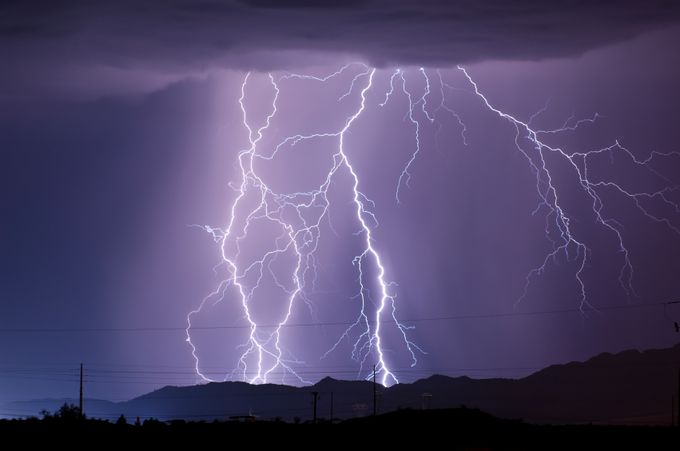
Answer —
(120, 128)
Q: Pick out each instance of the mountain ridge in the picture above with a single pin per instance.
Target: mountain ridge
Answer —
(624, 387)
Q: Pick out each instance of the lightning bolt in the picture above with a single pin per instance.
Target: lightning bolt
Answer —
(298, 218)
(558, 228)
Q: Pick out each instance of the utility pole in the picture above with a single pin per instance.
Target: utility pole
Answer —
(677, 397)
(315, 394)
(672, 410)
(331, 407)
(375, 394)
(80, 404)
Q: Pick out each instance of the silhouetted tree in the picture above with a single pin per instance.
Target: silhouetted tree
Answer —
(121, 421)
(151, 423)
(68, 412)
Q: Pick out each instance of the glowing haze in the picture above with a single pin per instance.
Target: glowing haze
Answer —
(283, 229)
(279, 191)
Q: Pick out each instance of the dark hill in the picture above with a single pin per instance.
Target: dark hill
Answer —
(628, 387)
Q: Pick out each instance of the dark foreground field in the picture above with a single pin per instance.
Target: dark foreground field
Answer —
(447, 429)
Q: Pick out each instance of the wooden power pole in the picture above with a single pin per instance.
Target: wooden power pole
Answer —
(80, 403)
(331, 407)
(672, 410)
(375, 394)
(315, 394)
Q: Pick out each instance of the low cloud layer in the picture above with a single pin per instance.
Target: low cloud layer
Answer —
(39, 40)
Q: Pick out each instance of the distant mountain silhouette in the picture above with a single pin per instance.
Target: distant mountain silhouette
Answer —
(624, 388)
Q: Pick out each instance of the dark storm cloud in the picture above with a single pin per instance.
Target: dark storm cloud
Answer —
(304, 3)
(183, 33)
(84, 50)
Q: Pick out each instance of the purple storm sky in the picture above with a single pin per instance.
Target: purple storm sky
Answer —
(120, 128)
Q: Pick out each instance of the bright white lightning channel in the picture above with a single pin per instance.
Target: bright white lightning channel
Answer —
(557, 218)
(264, 352)
(300, 215)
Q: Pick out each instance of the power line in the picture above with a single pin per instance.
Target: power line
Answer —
(155, 378)
(20, 371)
(330, 323)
